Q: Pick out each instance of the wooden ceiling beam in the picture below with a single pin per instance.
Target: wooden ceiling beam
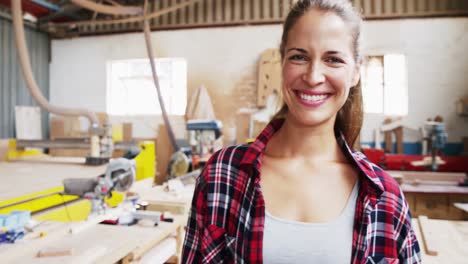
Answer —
(107, 9)
(123, 20)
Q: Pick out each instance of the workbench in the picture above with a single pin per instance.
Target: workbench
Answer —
(97, 243)
(25, 177)
(433, 194)
(450, 240)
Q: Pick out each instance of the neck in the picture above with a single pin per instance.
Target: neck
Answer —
(294, 140)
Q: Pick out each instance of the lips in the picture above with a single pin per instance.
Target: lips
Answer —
(312, 99)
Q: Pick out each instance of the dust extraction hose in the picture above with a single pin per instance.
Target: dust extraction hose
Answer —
(28, 74)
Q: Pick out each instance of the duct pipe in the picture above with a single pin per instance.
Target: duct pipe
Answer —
(149, 49)
(34, 88)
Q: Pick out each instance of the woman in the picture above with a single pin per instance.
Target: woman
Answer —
(298, 193)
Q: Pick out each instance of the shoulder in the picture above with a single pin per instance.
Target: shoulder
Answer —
(224, 165)
(392, 194)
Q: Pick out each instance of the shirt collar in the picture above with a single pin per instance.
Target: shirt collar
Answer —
(358, 160)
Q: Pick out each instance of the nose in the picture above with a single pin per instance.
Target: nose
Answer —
(314, 74)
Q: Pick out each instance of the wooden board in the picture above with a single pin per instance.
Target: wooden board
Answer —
(269, 75)
(24, 177)
(450, 239)
(28, 122)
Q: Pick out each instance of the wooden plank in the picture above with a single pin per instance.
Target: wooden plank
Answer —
(284, 8)
(427, 236)
(201, 18)
(165, 17)
(400, 7)
(388, 6)
(237, 10)
(269, 75)
(191, 14)
(209, 11)
(246, 10)
(367, 7)
(377, 7)
(267, 9)
(276, 9)
(218, 16)
(256, 10)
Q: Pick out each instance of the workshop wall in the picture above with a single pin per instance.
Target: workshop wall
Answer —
(225, 61)
(13, 90)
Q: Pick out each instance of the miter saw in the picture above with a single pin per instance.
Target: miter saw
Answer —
(119, 176)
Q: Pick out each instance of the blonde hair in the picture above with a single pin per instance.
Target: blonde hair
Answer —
(350, 116)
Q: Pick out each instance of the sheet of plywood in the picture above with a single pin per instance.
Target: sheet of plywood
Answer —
(23, 177)
(269, 75)
(28, 122)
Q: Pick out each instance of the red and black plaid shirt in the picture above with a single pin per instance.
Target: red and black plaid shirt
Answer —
(228, 211)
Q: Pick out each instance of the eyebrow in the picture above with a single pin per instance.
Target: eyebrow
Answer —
(297, 49)
(330, 52)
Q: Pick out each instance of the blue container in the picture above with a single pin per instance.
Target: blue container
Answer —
(2, 220)
(23, 217)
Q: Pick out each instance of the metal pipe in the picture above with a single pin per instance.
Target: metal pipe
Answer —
(106, 9)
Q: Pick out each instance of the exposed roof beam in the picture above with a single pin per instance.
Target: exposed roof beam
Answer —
(107, 9)
(124, 20)
(68, 11)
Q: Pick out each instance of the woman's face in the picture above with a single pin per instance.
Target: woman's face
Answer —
(318, 68)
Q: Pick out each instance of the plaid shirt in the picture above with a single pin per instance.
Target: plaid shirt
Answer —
(228, 211)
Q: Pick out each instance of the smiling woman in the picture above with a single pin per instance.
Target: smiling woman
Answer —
(299, 193)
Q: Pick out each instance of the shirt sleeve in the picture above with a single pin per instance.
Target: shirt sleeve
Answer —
(407, 243)
(191, 250)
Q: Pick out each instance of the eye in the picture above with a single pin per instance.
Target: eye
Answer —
(297, 58)
(334, 60)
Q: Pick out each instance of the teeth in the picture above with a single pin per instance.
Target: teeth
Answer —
(312, 98)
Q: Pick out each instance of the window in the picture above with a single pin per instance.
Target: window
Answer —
(384, 85)
(131, 90)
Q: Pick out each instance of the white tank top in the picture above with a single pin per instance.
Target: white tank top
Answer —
(286, 241)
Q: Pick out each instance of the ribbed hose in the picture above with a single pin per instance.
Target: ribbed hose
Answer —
(29, 77)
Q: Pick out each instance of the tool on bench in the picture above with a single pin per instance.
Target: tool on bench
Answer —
(119, 176)
(202, 134)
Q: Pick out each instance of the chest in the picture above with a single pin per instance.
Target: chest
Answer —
(306, 193)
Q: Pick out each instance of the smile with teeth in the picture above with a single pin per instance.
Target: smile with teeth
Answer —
(312, 98)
